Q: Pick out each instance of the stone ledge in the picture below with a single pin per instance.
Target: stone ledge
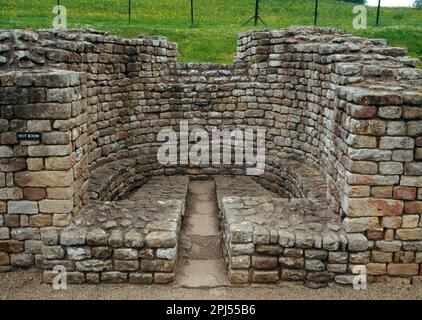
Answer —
(133, 240)
(267, 238)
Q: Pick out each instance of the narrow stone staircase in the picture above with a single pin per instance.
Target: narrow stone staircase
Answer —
(201, 264)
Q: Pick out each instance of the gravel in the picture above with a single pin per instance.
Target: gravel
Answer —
(27, 285)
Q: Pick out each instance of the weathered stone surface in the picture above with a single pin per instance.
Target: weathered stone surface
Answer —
(409, 234)
(44, 178)
(114, 277)
(410, 221)
(78, 253)
(49, 236)
(241, 249)
(102, 252)
(365, 137)
(360, 224)
(96, 237)
(168, 254)
(157, 265)
(161, 240)
(25, 233)
(330, 241)
(379, 256)
(238, 276)
(240, 262)
(22, 207)
(314, 265)
(55, 206)
(388, 246)
(265, 276)
(125, 254)
(116, 238)
(21, 260)
(316, 254)
(140, 278)
(402, 269)
(4, 259)
(264, 262)
(94, 265)
(73, 236)
(126, 265)
(53, 252)
(163, 278)
(357, 242)
(374, 207)
(286, 238)
(359, 257)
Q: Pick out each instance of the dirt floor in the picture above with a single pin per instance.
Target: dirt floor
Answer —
(27, 285)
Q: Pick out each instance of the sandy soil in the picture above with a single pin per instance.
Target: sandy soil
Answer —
(27, 285)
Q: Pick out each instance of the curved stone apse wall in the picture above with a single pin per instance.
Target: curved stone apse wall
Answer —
(347, 106)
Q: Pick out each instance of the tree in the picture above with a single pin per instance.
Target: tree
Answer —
(417, 4)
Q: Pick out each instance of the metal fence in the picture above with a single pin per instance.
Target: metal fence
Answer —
(256, 8)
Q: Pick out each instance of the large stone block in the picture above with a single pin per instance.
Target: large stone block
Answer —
(95, 265)
(265, 276)
(23, 260)
(238, 276)
(409, 234)
(357, 242)
(264, 262)
(44, 178)
(403, 269)
(12, 164)
(56, 206)
(73, 236)
(49, 150)
(22, 207)
(43, 111)
(360, 224)
(396, 143)
(11, 194)
(370, 207)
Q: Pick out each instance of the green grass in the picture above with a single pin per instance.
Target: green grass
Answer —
(213, 37)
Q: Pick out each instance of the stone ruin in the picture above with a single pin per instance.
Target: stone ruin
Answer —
(343, 177)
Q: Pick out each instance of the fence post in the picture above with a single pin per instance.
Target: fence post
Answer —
(316, 13)
(378, 12)
(256, 13)
(191, 13)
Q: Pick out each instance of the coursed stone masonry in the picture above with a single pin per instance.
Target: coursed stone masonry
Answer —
(347, 106)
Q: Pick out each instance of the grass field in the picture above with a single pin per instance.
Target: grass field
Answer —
(213, 37)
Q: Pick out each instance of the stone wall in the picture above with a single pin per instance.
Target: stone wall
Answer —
(349, 107)
(42, 182)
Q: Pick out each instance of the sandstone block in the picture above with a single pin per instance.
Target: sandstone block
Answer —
(76, 254)
(238, 276)
(22, 207)
(44, 178)
(360, 224)
(403, 269)
(264, 276)
(264, 262)
(94, 265)
(23, 260)
(73, 236)
(409, 234)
